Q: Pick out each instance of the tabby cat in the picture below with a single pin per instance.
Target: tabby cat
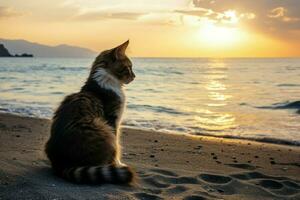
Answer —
(84, 142)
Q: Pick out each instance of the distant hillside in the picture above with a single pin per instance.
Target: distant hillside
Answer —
(40, 50)
(4, 52)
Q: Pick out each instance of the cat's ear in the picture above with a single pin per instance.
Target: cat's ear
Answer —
(119, 51)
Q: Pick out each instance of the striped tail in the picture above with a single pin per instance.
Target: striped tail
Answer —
(99, 174)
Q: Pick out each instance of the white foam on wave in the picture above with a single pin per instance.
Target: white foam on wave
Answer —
(27, 111)
(148, 125)
(190, 132)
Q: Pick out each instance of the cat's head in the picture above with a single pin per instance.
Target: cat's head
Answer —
(115, 63)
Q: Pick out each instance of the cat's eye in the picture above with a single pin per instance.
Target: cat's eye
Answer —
(124, 70)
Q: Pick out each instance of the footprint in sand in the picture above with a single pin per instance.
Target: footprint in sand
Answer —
(156, 183)
(177, 189)
(270, 184)
(291, 184)
(278, 186)
(215, 179)
(165, 181)
(142, 195)
(164, 172)
(249, 175)
(249, 182)
(218, 183)
(194, 197)
(160, 182)
(170, 183)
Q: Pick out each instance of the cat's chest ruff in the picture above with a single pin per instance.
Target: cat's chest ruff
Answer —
(108, 82)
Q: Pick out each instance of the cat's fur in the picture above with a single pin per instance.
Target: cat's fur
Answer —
(84, 142)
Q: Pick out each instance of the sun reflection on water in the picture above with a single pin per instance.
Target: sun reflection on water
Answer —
(214, 85)
(214, 118)
(218, 121)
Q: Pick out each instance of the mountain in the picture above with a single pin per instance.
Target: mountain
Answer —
(41, 50)
(4, 52)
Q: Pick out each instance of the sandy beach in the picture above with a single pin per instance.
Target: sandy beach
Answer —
(168, 166)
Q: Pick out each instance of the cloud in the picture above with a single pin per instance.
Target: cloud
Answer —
(7, 12)
(279, 18)
(125, 5)
(226, 18)
(100, 15)
(201, 12)
(161, 18)
(151, 18)
(277, 12)
(147, 11)
(276, 16)
(271, 14)
(281, 14)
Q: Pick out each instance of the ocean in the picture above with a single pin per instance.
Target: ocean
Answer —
(246, 98)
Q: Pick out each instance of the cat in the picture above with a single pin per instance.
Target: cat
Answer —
(84, 143)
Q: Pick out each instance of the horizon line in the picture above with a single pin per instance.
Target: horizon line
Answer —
(179, 57)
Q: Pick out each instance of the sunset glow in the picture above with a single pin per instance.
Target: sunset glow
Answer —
(170, 28)
(218, 36)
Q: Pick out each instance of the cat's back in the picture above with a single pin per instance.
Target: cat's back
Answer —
(76, 107)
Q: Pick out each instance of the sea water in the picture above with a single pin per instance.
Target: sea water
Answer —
(251, 98)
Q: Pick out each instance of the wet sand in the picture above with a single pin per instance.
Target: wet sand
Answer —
(168, 167)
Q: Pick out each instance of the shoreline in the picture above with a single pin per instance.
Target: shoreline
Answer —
(265, 140)
(168, 166)
(228, 137)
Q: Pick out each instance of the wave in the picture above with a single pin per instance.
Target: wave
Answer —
(43, 68)
(186, 131)
(46, 113)
(288, 85)
(262, 139)
(39, 111)
(157, 109)
(292, 68)
(284, 105)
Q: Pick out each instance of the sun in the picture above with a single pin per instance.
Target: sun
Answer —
(222, 33)
(214, 35)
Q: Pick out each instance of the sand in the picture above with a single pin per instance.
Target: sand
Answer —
(168, 166)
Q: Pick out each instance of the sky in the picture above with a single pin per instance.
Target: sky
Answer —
(160, 28)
